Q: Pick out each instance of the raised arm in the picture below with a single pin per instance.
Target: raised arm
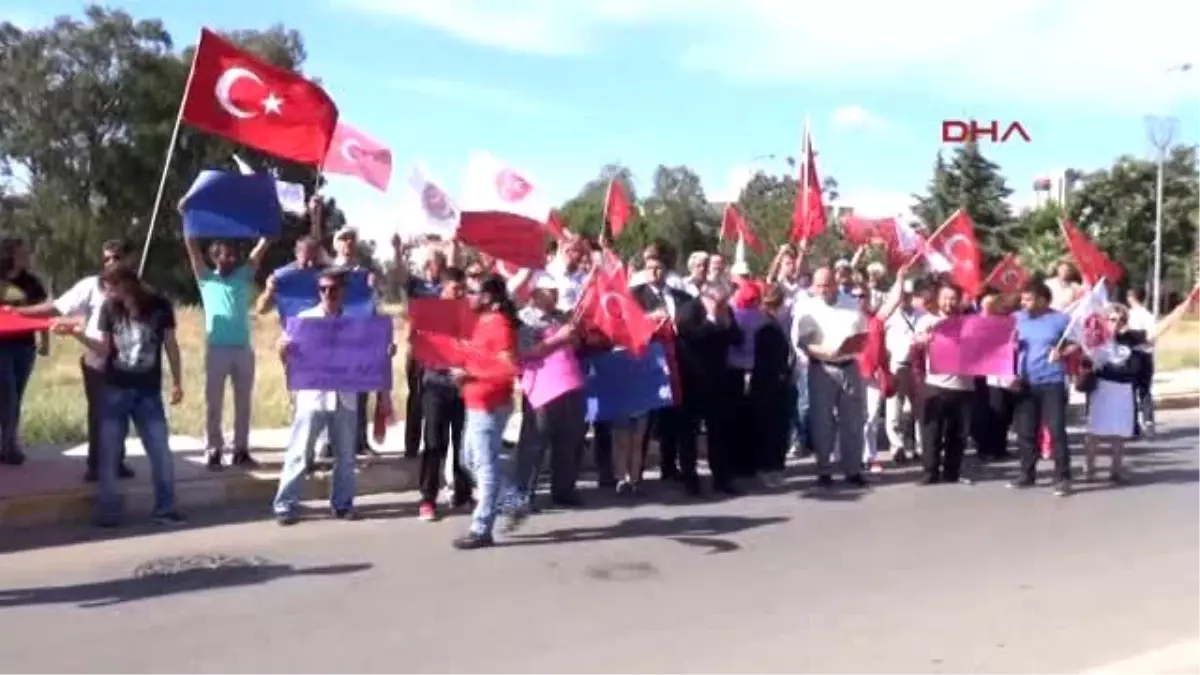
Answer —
(1168, 322)
(258, 253)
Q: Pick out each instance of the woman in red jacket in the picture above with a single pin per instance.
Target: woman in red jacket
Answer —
(487, 382)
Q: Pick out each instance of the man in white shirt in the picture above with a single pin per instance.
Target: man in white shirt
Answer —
(316, 412)
(567, 271)
(1141, 318)
(84, 300)
(947, 401)
(901, 329)
(836, 393)
(1063, 288)
(697, 264)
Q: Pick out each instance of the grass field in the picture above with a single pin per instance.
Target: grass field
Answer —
(55, 413)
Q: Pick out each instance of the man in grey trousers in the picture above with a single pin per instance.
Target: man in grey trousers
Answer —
(821, 326)
(226, 289)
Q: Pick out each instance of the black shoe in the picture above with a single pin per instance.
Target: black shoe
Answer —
(962, 480)
(168, 518)
(606, 483)
(326, 451)
(726, 487)
(857, 480)
(213, 460)
(346, 514)
(106, 522)
(825, 481)
(90, 476)
(286, 519)
(669, 475)
(310, 466)
(1062, 488)
(691, 486)
(242, 459)
(928, 479)
(124, 472)
(13, 457)
(568, 501)
(515, 519)
(1022, 483)
(471, 541)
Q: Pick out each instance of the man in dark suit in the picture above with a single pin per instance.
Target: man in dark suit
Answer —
(662, 303)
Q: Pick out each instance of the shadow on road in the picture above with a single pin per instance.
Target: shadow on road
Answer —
(134, 588)
(700, 531)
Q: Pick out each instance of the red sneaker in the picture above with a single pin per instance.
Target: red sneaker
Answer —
(427, 512)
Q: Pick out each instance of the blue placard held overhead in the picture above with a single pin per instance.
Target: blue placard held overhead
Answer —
(223, 205)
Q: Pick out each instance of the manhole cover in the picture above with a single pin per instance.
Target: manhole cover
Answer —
(634, 571)
(203, 562)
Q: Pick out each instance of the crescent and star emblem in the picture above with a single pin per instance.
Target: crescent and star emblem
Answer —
(272, 104)
(612, 306)
(1010, 278)
(348, 147)
(435, 202)
(511, 186)
(948, 249)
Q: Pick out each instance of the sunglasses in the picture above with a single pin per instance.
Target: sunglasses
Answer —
(325, 290)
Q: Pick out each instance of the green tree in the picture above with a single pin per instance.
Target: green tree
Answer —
(584, 213)
(1116, 207)
(974, 183)
(768, 201)
(87, 107)
(1041, 238)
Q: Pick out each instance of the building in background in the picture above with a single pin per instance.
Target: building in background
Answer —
(1055, 186)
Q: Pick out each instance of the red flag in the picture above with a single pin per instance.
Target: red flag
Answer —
(863, 231)
(504, 213)
(733, 225)
(12, 323)
(555, 227)
(607, 305)
(808, 217)
(954, 249)
(233, 94)
(617, 208)
(1093, 265)
(353, 153)
(1009, 276)
(439, 329)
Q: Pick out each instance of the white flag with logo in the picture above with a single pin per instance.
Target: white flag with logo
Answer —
(426, 207)
(1089, 327)
(493, 185)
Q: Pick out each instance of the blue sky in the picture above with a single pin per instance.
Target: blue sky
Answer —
(559, 88)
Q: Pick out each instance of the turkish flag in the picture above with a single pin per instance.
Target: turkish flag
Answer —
(12, 323)
(902, 241)
(1009, 276)
(864, 231)
(617, 208)
(733, 226)
(954, 249)
(808, 217)
(439, 329)
(555, 227)
(503, 213)
(607, 305)
(1093, 264)
(233, 94)
(353, 153)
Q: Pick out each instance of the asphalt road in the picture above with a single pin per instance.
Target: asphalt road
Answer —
(901, 579)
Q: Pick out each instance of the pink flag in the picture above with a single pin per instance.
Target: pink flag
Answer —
(353, 153)
(974, 345)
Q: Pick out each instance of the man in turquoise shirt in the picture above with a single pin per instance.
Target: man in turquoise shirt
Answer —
(226, 289)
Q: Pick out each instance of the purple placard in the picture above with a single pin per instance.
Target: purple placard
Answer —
(347, 353)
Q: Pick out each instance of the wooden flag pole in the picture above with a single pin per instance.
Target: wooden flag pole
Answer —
(162, 181)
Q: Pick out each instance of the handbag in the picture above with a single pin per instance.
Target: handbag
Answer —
(1085, 381)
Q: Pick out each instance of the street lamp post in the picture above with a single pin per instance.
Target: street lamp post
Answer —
(1162, 130)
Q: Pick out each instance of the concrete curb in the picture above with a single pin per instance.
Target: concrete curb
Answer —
(232, 487)
(1177, 659)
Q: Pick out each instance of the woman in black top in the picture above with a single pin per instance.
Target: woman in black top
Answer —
(18, 288)
(772, 394)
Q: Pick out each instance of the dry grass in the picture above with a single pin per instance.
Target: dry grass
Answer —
(1180, 348)
(55, 413)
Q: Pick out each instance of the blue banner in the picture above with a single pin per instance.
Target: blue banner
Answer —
(296, 291)
(620, 386)
(223, 205)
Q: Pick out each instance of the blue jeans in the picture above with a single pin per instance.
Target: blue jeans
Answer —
(145, 409)
(16, 365)
(342, 425)
(800, 416)
(483, 441)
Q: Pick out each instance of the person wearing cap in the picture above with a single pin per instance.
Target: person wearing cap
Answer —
(771, 389)
(821, 327)
(902, 435)
(546, 350)
(843, 271)
(225, 293)
(748, 313)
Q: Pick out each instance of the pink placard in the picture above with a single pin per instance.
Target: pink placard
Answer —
(974, 345)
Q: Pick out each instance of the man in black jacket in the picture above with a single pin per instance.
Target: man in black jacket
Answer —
(662, 303)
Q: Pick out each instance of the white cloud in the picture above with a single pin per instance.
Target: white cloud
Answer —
(1059, 51)
(872, 203)
(505, 100)
(857, 117)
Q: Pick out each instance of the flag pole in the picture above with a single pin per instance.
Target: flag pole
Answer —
(1074, 315)
(804, 154)
(162, 181)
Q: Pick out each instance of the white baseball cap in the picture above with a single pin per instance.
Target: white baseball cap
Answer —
(842, 262)
(346, 232)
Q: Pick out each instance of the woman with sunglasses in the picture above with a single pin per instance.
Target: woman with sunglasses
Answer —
(1110, 377)
(487, 390)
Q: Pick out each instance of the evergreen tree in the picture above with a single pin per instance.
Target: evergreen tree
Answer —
(972, 182)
